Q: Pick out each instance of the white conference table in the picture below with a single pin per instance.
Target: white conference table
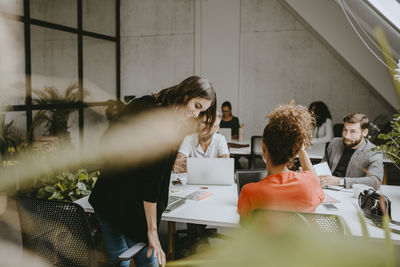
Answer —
(244, 151)
(220, 209)
(316, 151)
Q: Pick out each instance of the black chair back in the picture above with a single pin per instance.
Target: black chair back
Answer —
(56, 231)
(255, 150)
(244, 177)
(327, 223)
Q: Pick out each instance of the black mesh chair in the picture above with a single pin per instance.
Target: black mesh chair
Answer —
(327, 223)
(244, 177)
(256, 152)
(59, 233)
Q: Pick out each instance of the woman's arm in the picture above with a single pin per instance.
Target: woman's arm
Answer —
(305, 161)
(328, 133)
(180, 163)
(150, 210)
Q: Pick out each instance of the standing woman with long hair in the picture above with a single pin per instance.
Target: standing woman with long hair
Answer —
(323, 130)
(129, 200)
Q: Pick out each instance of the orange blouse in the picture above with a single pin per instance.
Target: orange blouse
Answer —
(297, 191)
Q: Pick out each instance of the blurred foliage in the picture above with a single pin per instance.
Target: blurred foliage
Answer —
(284, 244)
(114, 108)
(66, 185)
(5, 139)
(11, 140)
(391, 147)
(55, 120)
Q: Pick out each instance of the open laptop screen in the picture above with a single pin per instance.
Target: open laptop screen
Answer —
(210, 171)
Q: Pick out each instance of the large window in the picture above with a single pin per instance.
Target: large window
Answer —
(64, 43)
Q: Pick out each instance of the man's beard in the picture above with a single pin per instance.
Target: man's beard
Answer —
(353, 143)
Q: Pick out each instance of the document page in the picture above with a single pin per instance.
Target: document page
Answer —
(322, 169)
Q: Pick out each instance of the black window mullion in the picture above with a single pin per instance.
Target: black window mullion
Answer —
(28, 21)
(28, 67)
(118, 48)
(80, 71)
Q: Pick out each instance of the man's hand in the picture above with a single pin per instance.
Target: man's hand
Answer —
(154, 244)
(329, 180)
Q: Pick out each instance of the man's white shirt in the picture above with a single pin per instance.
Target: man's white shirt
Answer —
(191, 147)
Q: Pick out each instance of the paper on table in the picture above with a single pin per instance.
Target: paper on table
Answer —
(329, 199)
(181, 192)
(322, 169)
(199, 195)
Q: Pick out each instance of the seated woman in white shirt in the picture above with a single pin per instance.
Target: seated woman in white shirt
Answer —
(323, 130)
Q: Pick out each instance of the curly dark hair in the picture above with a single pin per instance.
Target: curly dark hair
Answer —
(321, 112)
(289, 127)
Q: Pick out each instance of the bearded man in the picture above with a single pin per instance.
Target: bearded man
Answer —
(350, 158)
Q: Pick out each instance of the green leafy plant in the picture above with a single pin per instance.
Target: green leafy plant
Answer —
(66, 185)
(4, 134)
(11, 139)
(55, 120)
(391, 147)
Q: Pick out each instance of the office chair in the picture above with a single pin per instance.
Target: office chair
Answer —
(327, 223)
(244, 177)
(255, 152)
(59, 233)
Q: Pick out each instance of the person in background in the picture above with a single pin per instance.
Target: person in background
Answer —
(205, 144)
(228, 120)
(287, 134)
(323, 130)
(129, 200)
(350, 157)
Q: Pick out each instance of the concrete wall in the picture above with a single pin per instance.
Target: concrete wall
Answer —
(157, 44)
(282, 60)
(327, 18)
(279, 57)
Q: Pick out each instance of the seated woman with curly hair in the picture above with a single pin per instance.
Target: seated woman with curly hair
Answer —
(286, 135)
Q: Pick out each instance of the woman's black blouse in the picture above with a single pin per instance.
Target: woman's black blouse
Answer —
(119, 192)
(233, 124)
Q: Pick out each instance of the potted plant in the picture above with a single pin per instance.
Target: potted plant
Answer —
(55, 119)
(391, 146)
(65, 185)
(4, 136)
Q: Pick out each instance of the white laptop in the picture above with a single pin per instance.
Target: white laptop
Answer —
(227, 132)
(210, 171)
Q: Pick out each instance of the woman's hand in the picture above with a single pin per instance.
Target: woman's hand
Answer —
(154, 244)
(150, 209)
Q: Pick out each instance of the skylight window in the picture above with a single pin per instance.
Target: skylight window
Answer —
(389, 9)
